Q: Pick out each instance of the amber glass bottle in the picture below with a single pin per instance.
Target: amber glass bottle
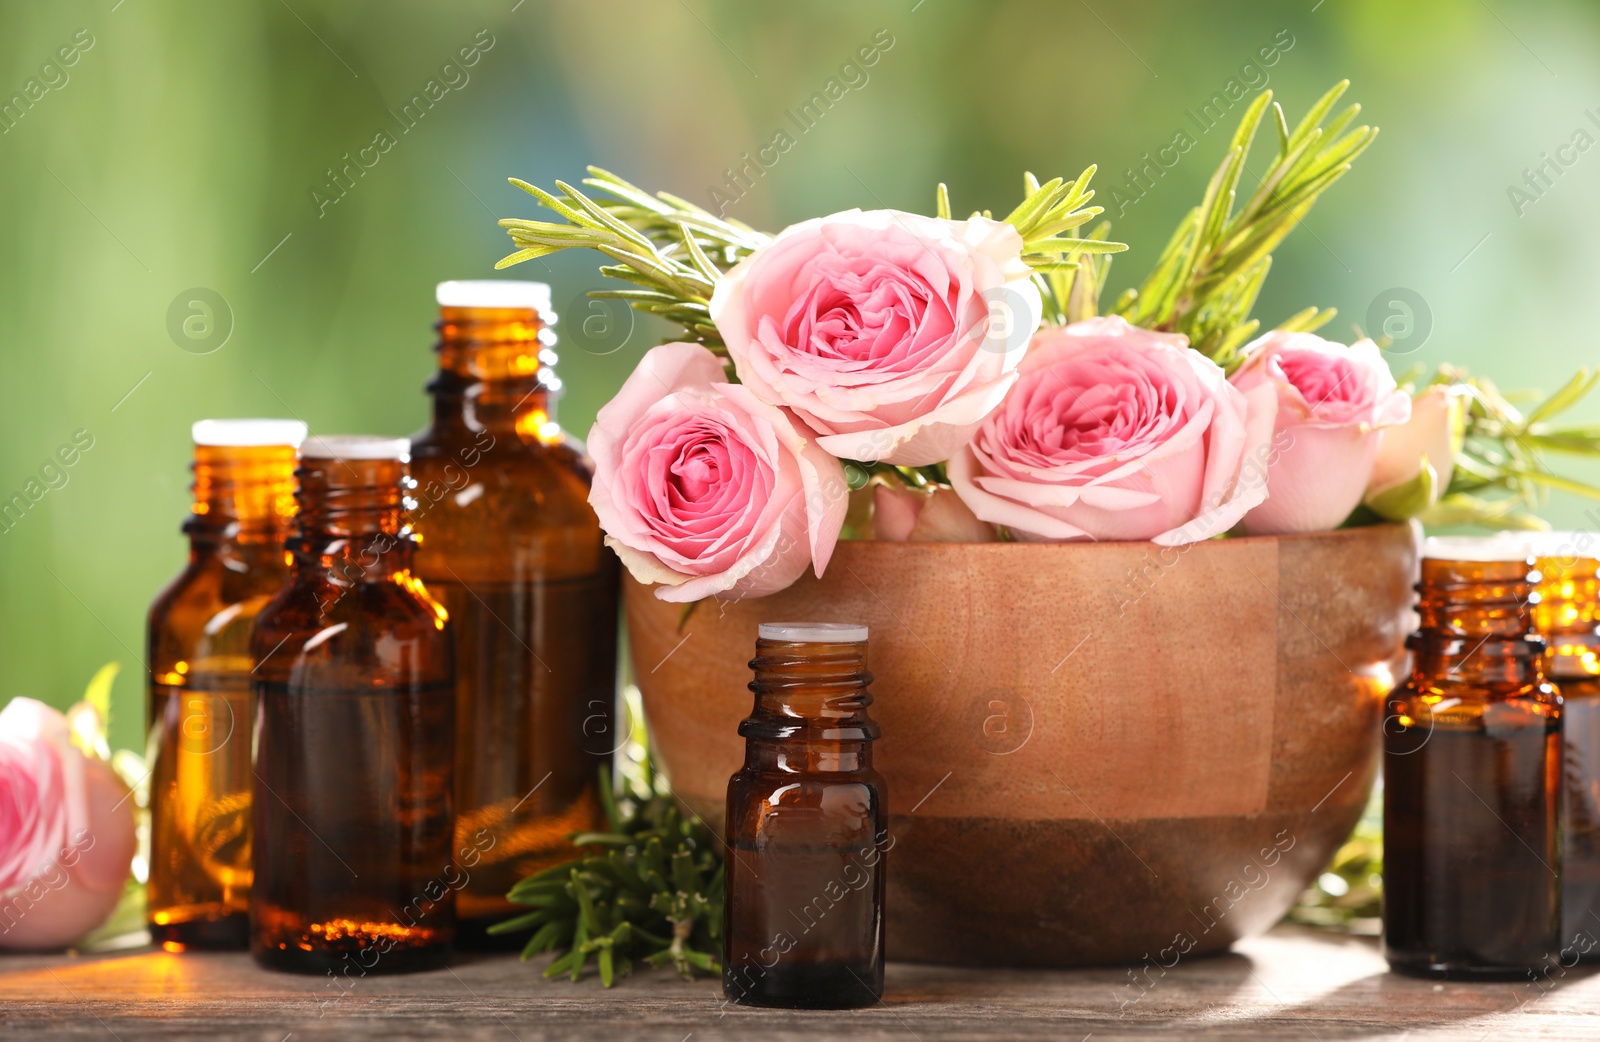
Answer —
(1567, 617)
(198, 654)
(1472, 776)
(510, 546)
(807, 828)
(354, 733)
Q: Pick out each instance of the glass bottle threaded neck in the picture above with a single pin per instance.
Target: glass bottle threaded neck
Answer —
(339, 498)
(496, 369)
(810, 691)
(243, 491)
(1567, 615)
(1475, 599)
(1476, 622)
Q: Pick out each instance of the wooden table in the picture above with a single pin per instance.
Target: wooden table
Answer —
(1291, 984)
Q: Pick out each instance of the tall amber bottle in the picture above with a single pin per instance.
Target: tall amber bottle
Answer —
(198, 654)
(1567, 617)
(510, 546)
(355, 870)
(1472, 775)
(807, 828)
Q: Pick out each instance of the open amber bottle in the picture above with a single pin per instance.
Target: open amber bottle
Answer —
(354, 734)
(807, 828)
(510, 546)
(1568, 618)
(198, 654)
(1472, 775)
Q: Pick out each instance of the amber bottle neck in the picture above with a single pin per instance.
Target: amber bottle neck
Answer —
(243, 495)
(496, 371)
(1476, 632)
(1568, 616)
(352, 520)
(810, 712)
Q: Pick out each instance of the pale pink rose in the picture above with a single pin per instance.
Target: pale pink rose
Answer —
(1333, 402)
(890, 334)
(1433, 434)
(1117, 433)
(903, 515)
(66, 832)
(705, 489)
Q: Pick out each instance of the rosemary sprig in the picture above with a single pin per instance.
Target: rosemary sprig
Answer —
(669, 248)
(674, 252)
(1045, 213)
(655, 892)
(1501, 475)
(1208, 277)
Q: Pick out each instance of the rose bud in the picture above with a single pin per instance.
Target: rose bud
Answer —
(1333, 402)
(1417, 459)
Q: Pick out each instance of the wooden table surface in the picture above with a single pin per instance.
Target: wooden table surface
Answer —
(1293, 983)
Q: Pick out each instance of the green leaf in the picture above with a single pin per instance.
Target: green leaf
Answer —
(531, 253)
(1408, 499)
(1570, 394)
(98, 693)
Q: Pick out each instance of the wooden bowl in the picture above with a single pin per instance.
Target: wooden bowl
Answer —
(1109, 753)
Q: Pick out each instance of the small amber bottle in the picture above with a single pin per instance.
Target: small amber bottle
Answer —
(807, 828)
(510, 546)
(1568, 618)
(1472, 775)
(198, 654)
(354, 735)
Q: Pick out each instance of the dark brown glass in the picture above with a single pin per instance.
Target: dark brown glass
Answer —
(355, 870)
(510, 546)
(198, 709)
(807, 835)
(1566, 617)
(1472, 776)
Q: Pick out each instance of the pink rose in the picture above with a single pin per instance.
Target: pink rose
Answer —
(890, 334)
(1427, 441)
(1333, 401)
(1117, 433)
(903, 515)
(705, 489)
(66, 832)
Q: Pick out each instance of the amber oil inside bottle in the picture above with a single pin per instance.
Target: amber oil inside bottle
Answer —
(807, 828)
(355, 870)
(509, 545)
(1472, 775)
(199, 704)
(1567, 617)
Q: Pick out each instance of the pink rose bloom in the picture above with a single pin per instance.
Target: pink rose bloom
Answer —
(904, 515)
(66, 832)
(1431, 437)
(1333, 402)
(705, 489)
(890, 334)
(1117, 433)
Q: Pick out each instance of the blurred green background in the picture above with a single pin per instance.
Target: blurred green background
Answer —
(191, 145)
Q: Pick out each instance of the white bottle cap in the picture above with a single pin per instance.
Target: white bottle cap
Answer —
(1502, 546)
(355, 446)
(813, 632)
(1564, 544)
(493, 293)
(244, 433)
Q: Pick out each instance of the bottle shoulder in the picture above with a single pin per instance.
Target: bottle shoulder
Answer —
(359, 619)
(207, 611)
